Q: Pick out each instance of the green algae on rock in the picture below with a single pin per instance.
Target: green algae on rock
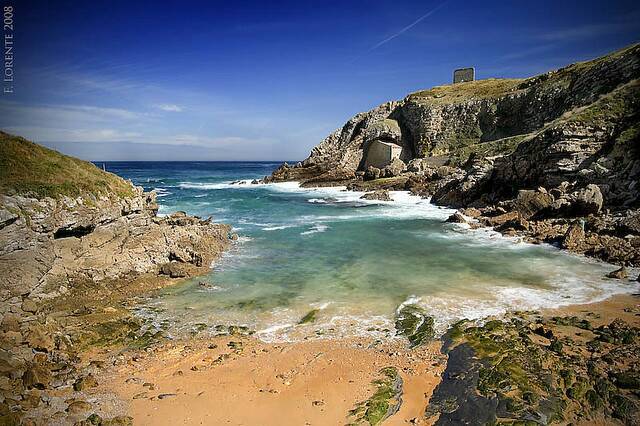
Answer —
(384, 403)
(309, 317)
(528, 369)
(413, 323)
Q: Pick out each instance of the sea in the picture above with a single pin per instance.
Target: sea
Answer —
(353, 262)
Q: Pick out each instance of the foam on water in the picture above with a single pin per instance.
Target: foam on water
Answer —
(357, 261)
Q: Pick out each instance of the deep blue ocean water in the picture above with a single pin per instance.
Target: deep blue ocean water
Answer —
(354, 260)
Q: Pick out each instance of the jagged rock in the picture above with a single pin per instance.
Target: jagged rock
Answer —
(619, 274)
(37, 376)
(372, 173)
(471, 212)
(457, 217)
(381, 195)
(174, 270)
(386, 129)
(528, 203)
(395, 168)
(588, 200)
(574, 237)
(38, 338)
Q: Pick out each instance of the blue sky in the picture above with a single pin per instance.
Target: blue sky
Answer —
(206, 80)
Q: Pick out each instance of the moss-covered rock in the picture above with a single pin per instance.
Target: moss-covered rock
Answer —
(413, 323)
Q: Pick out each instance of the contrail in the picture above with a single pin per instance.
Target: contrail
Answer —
(408, 27)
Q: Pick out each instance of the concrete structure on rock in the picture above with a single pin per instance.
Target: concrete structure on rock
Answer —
(380, 153)
(464, 74)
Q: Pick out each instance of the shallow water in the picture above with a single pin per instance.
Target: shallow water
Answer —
(354, 260)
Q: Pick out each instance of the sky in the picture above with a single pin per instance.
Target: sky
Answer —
(242, 80)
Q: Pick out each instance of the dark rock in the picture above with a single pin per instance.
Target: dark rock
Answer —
(372, 173)
(457, 217)
(588, 201)
(529, 203)
(620, 273)
(173, 270)
(381, 195)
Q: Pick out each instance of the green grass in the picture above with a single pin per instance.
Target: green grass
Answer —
(29, 169)
(490, 88)
(504, 146)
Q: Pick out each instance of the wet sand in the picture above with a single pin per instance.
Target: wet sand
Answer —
(242, 381)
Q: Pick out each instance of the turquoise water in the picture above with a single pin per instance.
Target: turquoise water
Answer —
(355, 261)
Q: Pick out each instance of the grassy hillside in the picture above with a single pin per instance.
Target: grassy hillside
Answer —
(27, 168)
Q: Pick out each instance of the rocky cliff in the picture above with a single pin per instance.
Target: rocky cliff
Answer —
(568, 138)
(76, 245)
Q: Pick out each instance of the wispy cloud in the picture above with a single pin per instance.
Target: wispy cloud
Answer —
(408, 27)
(169, 107)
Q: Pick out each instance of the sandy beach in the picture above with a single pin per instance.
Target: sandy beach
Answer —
(240, 380)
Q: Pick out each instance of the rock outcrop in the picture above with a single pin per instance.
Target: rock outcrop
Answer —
(76, 245)
(547, 150)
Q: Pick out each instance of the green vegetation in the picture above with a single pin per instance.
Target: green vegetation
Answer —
(490, 88)
(30, 169)
(504, 146)
(383, 403)
(413, 323)
(533, 367)
(309, 317)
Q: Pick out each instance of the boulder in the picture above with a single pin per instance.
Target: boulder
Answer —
(619, 274)
(587, 201)
(471, 212)
(394, 168)
(457, 217)
(381, 195)
(574, 237)
(529, 202)
(39, 339)
(37, 376)
(174, 270)
(372, 173)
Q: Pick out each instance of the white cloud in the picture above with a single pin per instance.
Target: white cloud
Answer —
(169, 107)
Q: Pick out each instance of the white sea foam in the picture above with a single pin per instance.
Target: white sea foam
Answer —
(315, 229)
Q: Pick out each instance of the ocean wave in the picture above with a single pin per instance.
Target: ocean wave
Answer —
(315, 229)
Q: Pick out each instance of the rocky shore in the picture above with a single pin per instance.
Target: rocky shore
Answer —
(70, 266)
(554, 158)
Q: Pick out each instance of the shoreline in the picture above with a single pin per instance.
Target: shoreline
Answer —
(314, 382)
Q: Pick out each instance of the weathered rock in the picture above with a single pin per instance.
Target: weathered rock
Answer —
(174, 270)
(381, 195)
(574, 237)
(413, 323)
(457, 217)
(395, 168)
(37, 376)
(588, 201)
(372, 173)
(78, 407)
(528, 203)
(619, 274)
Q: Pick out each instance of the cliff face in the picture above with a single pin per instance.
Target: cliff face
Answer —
(487, 117)
(82, 231)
